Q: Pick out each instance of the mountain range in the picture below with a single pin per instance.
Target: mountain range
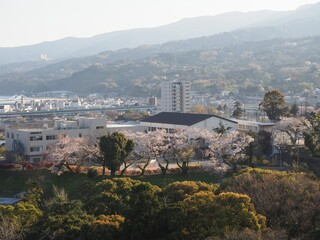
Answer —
(133, 61)
(303, 21)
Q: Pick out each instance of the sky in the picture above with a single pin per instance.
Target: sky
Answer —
(26, 22)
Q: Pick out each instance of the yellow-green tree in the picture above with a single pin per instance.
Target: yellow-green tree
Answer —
(205, 214)
(178, 191)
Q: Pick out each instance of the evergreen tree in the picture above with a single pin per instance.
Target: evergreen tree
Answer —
(237, 110)
(115, 148)
(294, 110)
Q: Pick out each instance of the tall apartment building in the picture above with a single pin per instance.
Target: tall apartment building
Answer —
(175, 96)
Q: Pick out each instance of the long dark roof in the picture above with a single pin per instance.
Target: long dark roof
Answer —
(187, 119)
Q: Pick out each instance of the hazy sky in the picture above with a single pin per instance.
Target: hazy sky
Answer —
(24, 22)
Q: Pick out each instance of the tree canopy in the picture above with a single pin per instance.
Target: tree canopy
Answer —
(274, 105)
(115, 148)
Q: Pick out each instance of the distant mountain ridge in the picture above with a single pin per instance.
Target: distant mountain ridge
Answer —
(244, 67)
(181, 30)
(105, 72)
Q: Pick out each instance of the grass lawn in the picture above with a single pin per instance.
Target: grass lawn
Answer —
(15, 181)
(163, 180)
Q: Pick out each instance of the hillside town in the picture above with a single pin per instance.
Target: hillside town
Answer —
(146, 120)
(178, 109)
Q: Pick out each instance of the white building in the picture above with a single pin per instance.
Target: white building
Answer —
(5, 108)
(176, 121)
(33, 143)
(175, 96)
(252, 126)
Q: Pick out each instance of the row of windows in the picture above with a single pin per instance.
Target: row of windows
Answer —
(35, 160)
(35, 133)
(168, 130)
(40, 138)
(36, 138)
(247, 127)
(51, 137)
(36, 149)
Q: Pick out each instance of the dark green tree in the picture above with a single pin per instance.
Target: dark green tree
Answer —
(221, 129)
(294, 110)
(115, 148)
(62, 219)
(237, 110)
(312, 136)
(34, 194)
(274, 105)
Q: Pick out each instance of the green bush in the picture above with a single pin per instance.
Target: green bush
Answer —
(92, 173)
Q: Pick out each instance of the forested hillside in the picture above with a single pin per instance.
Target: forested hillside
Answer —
(252, 67)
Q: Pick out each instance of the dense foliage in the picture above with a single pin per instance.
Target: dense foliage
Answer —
(123, 208)
(253, 204)
(288, 200)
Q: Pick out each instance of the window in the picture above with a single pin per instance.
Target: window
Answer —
(51, 137)
(35, 160)
(36, 138)
(35, 132)
(99, 127)
(8, 135)
(36, 149)
(80, 135)
(12, 135)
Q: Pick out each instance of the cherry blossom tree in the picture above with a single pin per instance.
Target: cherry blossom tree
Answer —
(181, 148)
(67, 151)
(148, 146)
(291, 129)
(165, 148)
(227, 148)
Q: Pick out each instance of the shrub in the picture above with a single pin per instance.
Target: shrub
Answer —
(37, 165)
(29, 166)
(92, 173)
(48, 164)
(7, 166)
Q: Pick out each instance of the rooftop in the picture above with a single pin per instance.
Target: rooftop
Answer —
(187, 119)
